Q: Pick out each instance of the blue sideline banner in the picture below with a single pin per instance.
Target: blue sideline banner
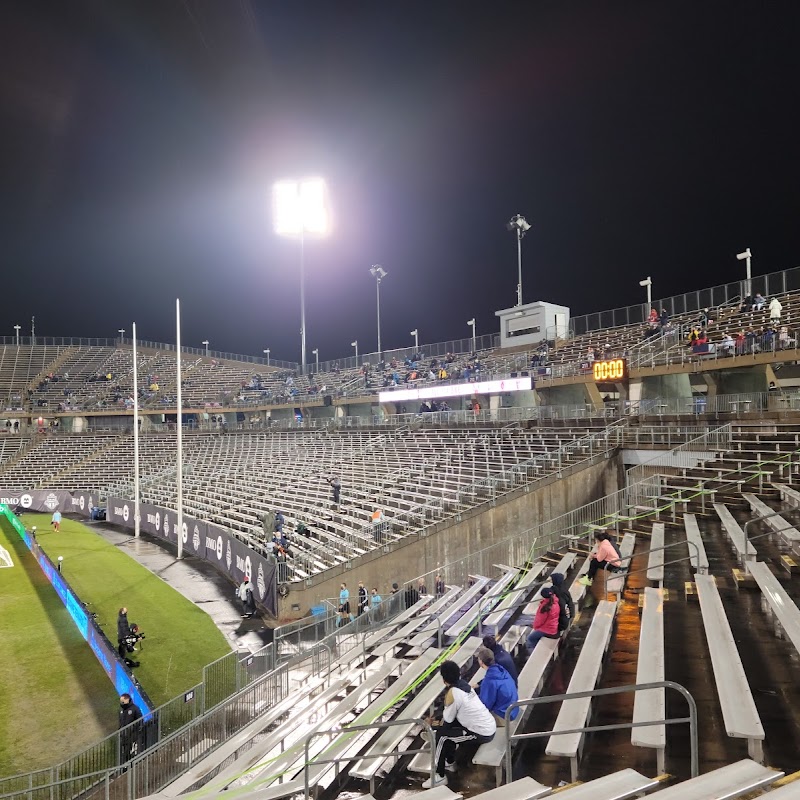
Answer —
(103, 649)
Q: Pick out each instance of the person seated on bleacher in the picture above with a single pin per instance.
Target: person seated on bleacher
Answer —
(565, 602)
(759, 301)
(464, 718)
(727, 345)
(501, 657)
(606, 557)
(653, 317)
(545, 623)
(498, 690)
(747, 304)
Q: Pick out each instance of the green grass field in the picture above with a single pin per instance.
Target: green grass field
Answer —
(55, 698)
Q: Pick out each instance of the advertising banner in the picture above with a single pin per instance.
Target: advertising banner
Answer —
(208, 541)
(41, 500)
(82, 503)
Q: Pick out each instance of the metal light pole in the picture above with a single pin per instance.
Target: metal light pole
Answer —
(17, 328)
(179, 465)
(136, 515)
(648, 284)
(746, 256)
(315, 353)
(415, 334)
(33, 330)
(379, 273)
(355, 344)
(519, 224)
(471, 323)
(266, 353)
(299, 209)
(205, 344)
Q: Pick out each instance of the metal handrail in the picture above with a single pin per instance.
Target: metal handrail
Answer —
(748, 538)
(367, 727)
(691, 719)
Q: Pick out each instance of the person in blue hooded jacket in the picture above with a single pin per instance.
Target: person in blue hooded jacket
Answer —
(498, 690)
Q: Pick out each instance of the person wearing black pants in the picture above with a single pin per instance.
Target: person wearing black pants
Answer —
(130, 727)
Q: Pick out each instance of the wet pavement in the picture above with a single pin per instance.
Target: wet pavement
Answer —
(196, 581)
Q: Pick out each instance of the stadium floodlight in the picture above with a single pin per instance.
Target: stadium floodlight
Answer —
(355, 344)
(266, 353)
(647, 283)
(379, 273)
(519, 224)
(60, 562)
(205, 344)
(471, 323)
(299, 208)
(746, 256)
(18, 328)
(315, 353)
(121, 332)
(415, 334)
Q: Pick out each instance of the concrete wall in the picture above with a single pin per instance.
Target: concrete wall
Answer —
(459, 536)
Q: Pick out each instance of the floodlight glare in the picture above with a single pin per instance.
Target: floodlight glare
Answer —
(299, 207)
(378, 272)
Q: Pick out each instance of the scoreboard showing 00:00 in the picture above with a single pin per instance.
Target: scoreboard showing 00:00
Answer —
(614, 369)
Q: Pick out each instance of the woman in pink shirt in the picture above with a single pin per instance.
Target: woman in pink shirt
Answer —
(604, 557)
(545, 623)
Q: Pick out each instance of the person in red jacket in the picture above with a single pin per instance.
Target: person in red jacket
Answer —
(545, 623)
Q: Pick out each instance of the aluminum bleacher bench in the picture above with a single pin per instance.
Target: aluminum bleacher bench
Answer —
(482, 605)
(788, 494)
(745, 550)
(401, 636)
(523, 789)
(509, 603)
(725, 783)
(649, 705)
(655, 559)
(787, 532)
(693, 535)
(463, 602)
(575, 713)
(403, 616)
(777, 599)
(738, 707)
(562, 567)
(616, 786)
(791, 791)
(390, 739)
(615, 581)
(438, 793)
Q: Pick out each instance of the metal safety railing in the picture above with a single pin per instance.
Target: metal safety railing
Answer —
(638, 687)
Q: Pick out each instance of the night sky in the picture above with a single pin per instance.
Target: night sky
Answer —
(140, 141)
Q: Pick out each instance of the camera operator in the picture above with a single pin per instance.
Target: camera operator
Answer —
(123, 632)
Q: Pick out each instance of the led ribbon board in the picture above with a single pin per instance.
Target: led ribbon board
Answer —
(457, 390)
(614, 369)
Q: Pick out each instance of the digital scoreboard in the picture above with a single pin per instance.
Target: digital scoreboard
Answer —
(612, 369)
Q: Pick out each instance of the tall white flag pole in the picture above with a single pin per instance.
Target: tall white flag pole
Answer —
(136, 515)
(179, 466)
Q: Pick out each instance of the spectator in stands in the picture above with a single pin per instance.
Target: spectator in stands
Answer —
(727, 345)
(565, 602)
(775, 309)
(501, 656)
(130, 716)
(653, 318)
(422, 589)
(464, 718)
(783, 340)
(411, 596)
(362, 598)
(747, 304)
(740, 344)
(759, 301)
(268, 523)
(301, 529)
(336, 489)
(498, 690)
(772, 387)
(663, 319)
(375, 600)
(56, 521)
(439, 586)
(344, 606)
(605, 556)
(545, 623)
(279, 522)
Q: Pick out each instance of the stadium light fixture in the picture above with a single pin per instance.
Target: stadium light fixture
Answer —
(315, 353)
(471, 323)
(17, 328)
(415, 334)
(205, 344)
(60, 562)
(746, 256)
(355, 344)
(647, 283)
(300, 208)
(266, 353)
(519, 224)
(121, 332)
(379, 273)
